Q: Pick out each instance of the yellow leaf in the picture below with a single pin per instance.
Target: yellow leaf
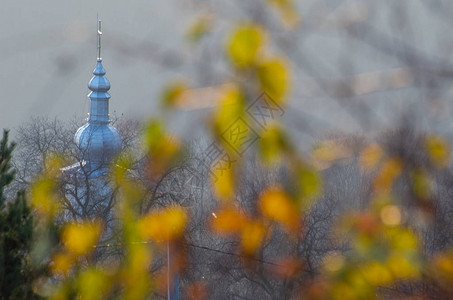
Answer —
(153, 134)
(370, 157)
(166, 152)
(422, 184)
(274, 78)
(364, 244)
(309, 185)
(93, 284)
(135, 274)
(175, 219)
(80, 238)
(389, 172)
(330, 150)
(272, 144)
(43, 197)
(231, 108)
(165, 224)
(139, 258)
(222, 181)
(53, 164)
(341, 291)
(252, 236)
(376, 273)
(173, 94)
(438, 150)
(401, 239)
(244, 45)
(120, 167)
(162, 148)
(401, 267)
(276, 204)
(62, 263)
(359, 283)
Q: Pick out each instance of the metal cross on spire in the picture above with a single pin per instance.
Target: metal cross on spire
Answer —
(99, 38)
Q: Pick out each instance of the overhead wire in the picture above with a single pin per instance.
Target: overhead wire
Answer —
(194, 246)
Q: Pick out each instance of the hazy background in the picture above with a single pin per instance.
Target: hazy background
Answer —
(356, 65)
(48, 51)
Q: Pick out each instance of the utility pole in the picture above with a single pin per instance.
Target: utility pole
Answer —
(172, 279)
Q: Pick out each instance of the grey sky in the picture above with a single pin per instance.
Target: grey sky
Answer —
(48, 51)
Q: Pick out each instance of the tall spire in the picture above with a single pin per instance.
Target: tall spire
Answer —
(99, 38)
(99, 86)
(98, 141)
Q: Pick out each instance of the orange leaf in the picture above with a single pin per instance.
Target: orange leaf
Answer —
(227, 221)
(276, 204)
(252, 236)
(288, 267)
(163, 225)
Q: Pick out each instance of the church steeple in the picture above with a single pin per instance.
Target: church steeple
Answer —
(98, 141)
(99, 86)
(99, 38)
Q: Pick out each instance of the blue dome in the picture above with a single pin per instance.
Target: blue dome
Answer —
(98, 143)
(99, 83)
